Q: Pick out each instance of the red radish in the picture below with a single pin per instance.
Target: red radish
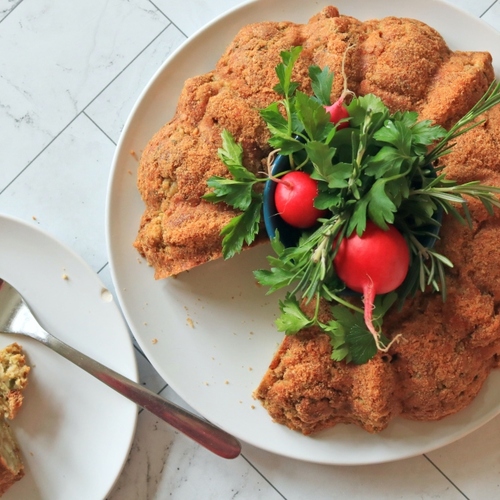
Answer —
(337, 113)
(337, 110)
(294, 198)
(374, 263)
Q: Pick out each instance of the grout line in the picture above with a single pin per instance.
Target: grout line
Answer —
(159, 10)
(84, 113)
(166, 385)
(262, 476)
(44, 148)
(488, 8)
(140, 353)
(11, 10)
(103, 267)
(127, 66)
(446, 477)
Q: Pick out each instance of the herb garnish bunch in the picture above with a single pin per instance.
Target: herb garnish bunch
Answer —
(374, 172)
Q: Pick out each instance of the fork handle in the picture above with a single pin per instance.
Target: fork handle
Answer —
(204, 433)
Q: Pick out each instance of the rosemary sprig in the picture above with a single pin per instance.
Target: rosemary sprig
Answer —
(380, 168)
(487, 101)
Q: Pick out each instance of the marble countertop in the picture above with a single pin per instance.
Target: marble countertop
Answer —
(70, 73)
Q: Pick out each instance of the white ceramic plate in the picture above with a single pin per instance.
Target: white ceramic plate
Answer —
(213, 325)
(74, 432)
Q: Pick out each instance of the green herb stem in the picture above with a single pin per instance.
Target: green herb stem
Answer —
(490, 99)
(379, 168)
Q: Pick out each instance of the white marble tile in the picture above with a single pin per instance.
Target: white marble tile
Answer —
(166, 464)
(148, 376)
(476, 8)
(105, 277)
(112, 107)
(391, 481)
(64, 190)
(6, 6)
(193, 15)
(492, 16)
(56, 57)
(473, 463)
(296, 480)
(144, 368)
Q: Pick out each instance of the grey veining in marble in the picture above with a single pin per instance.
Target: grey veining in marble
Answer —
(70, 73)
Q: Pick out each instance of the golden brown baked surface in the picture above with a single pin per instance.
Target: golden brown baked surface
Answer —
(13, 380)
(403, 61)
(11, 465)
(447, 349)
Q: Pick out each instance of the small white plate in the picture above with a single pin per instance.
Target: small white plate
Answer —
(74, 432)
(210, 332)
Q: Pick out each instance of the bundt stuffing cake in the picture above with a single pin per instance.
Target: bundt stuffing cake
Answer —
(447, 349)
(13, 380)
(403, 61)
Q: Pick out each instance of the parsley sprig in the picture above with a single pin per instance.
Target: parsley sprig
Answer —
(238, 192)
(380, 168)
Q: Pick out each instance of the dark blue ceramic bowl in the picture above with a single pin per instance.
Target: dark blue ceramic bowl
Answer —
(290, 235)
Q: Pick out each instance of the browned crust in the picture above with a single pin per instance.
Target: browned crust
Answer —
(13, 379)
(404, 61)
(11, 472)
(447, 349)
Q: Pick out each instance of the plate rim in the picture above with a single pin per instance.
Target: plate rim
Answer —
(84, 268)
(237, 10)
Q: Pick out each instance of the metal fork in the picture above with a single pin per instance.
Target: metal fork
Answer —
(17, 318)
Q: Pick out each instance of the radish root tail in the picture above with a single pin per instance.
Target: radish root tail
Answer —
(270, 161)
(346, 92)
(369, 306)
